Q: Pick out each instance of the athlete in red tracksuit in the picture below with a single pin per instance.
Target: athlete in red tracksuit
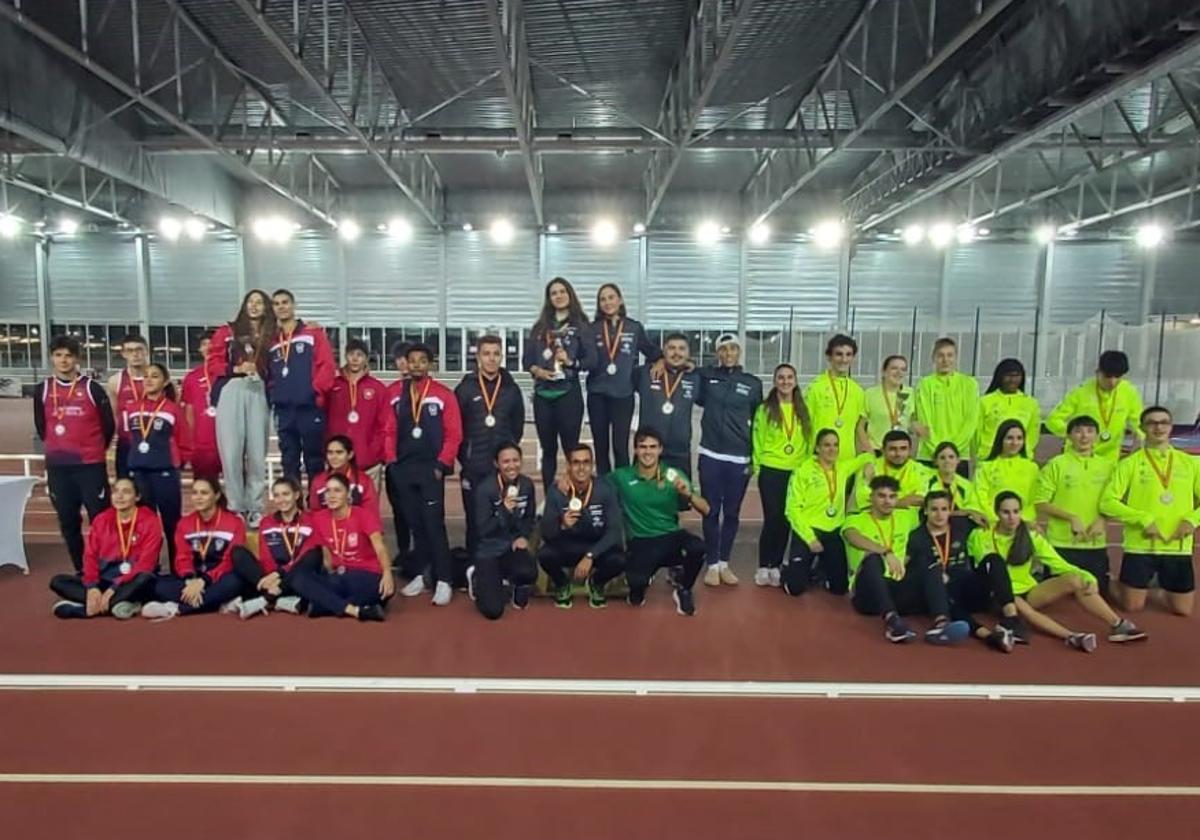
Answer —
(125, 389)
(302, 371)
(423, 433)
(196, 400)
(357, 407)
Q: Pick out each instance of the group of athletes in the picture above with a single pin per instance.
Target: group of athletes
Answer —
(864, 491)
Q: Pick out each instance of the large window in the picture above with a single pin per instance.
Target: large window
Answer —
(20, 347)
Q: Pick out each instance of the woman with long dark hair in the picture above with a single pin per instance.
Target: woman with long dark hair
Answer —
(238, 354)
(779, 445)
(1005, 399)
(1012, 542)
(610, 385)
(158, 444)
(560, 346)
(1007, 467)
(340, 458)
(286, 542)
(888, 404)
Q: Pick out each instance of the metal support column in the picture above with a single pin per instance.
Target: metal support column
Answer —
(41, 255)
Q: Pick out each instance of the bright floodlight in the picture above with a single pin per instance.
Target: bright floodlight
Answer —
(68, 225)
(400, 229)
(9, 225)
(552, 228)
(965, 234)
(941, 234)
(195, 227)
(1045, 234)
(829, 234)
(1150, 236)
(170, 227)
(468, 227)
(913, 234)
(273, 229)
(604, 232)
(639, 228)
(984, 232)
(502, 231)
(349, 230)
(708, 233)
(760, 233)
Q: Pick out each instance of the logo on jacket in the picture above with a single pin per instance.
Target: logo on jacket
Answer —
(433, 410)
(299, 346)
(352, 540)
(369, 394)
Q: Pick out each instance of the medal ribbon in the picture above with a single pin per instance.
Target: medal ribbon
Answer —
(293, 542)
(587, 498)
(142, 422)
(415, 404)
(891, 537)
(339, 539)
(831, 481)
(1105, 416)
(893, 409)
(286, 350)
(788, 430)
(489, 401)
(943, 555)
(125, 538)
(611, 347)
(1164, 477)
(839, 404)
(59, 413)
(669, 389)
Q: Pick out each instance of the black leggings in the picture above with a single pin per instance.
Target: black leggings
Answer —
(978, 588)
(610, 419)
(921, 591)
(772, 543)
(517, 566)
(557, 420)
(247, 567)
(797, 569)
(137, 589)
(71, 488)
(560, 557)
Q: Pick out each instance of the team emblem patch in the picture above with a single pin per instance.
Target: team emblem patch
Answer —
(352, 540)
(300, 348)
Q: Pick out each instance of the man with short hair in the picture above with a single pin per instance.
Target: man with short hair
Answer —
(201, 413)
(947, 406)
(896, 462)
(885, 581)
(505, 514)
(403, 561)
(357, 407)
(1110, 399)
(835, 401)
(493, 412)
(74, 420)
(650, 494)
(302, 371)
(1155, 494)
(581, 532)
(667, 390)
(422, 435)
(125, 391)
(1068, 496)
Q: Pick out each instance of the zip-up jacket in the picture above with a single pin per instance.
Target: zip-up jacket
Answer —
(362, 491)
(772, 446)
(437, 417)
(676, 427)
(196, 394)
(922, 549)
(985, 541)
(368, 399)
(1136, 496)
(632, 341)
(274, 536)
(205, 549)
(577, 340)
(1016, 474)
(995, 408)
(813, 493)
(948, 403)
(498, 526)
(165, 435)
(599, 525)
(479, 441)
(729, 397)
(75, 424)
(102, 553)
(1115, 411)
(226, 351)
(301, 367)
(1075, 484)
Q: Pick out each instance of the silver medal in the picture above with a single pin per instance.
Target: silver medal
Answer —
(672, 475)
(211, 411)
(547, 354)
(831, 511)
(839, 422)
(417, 432)
(512, 491)
(284, 371)
(611, 369)
(575, 505)
(125, 568)
(1106, 436)
(144, 447)
(1167, 498)
(788, 449)
(668, 408)
(352, 416)
(60, 430)
(490, 420)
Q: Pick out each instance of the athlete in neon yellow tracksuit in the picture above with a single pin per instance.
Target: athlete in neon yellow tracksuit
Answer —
(1108, 398)
(889, 404)
(1005, 399)
(1007, 467)
(947, 405)
(835, 401)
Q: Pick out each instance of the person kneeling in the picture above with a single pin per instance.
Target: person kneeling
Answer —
(206, 542)
(1013, 543)
(505, 514)
(885, 581)
(355, 579)
(581, 533)
(650, 500)
(120, 559)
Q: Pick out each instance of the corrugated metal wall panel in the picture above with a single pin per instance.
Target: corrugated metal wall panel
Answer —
(93, 280)
(309, 266)
(194, 282)
(888, 279)
(490, 285)
(1091, 276)
(795, 280)
(394, 283)
(18, 279)
(998, 277)
(1177, 279)
(690, 285)
(588, 266)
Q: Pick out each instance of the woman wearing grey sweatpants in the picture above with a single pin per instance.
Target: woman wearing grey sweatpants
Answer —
(239, 351)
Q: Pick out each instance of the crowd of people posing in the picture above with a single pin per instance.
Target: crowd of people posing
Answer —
(915, 501)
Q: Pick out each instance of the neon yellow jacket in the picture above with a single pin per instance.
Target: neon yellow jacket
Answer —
(1013, 473)
(879, 418)
(894, 530)
(822, 402)
(995, 408)
(983, 542)
(949, 405)
(1125, 404)
(914, 480)
(769, 442)
(1134, 496)
(808, 499)
(963, 491)
(1074, 483)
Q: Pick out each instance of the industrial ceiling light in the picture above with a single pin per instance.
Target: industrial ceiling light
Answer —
(68, 225)
(274, 229)
(639, 228)
(195, 228)
(708, 233)
(170, 228)
(552, 228)
(941, 234)
(468, 227)
(760, 233)
(913, 234)
(1045, 234)
(349, 230)
(829, 234)
(400, 229)
(965, 234)
(604, 232)
(502, 231)
(1149, 235)
(10, 225)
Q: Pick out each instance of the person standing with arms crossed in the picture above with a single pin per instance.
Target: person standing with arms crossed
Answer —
(125, 389)
(947, 406)
(301, 373)
(200, 413)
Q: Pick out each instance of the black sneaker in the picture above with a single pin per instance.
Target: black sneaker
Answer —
(371, 612)
(897, 632)
(1001, 639)
(685, 602)
(564, 597)
(1017, 627)
(521, 597)
(69, 609)
(597, 600)
(636, 597)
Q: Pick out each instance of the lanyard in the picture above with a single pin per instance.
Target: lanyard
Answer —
(293, 542)
(611, 346)
(943, 553)
(125, 538)
(1164, 476)
(587, 498)
(893, 409)
(415, 404)
(339, 539)
(142, 422)
(839, 404)
(1105, 416)
(891, 537)
(669, 389)
(489, 400)
(61, 412)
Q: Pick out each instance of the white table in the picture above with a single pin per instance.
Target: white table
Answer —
(14, 494)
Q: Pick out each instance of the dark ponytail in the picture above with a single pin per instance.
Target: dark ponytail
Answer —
(1022, 544)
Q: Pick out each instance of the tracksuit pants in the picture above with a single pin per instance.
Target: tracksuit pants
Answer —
(517, 566)
(680, 551)
(121, 463)
(136, 590)
(559, 558)
(71, 488)
(557, 420)
(243, 421)
(161, 491)
(230, 586)
(723, 485)
(247, 567)
(423, 498)
(796, 573)
(329, 593)
(404, 559)
(921, 591)
(468, 484)
(773, 541)
(978, 588)
(301, 431)
(610, 419)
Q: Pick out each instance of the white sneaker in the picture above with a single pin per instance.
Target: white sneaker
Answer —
(775, 578)
(253, 607)
(762, 577)
(471, 582)
(442, 594)
(414, 587)
(288, 604)
(231, 607)
(160, 610)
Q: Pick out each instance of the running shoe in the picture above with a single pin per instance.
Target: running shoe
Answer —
(1126, 631)
(288, 604)
(726, 574)
(897, 632)
(160, 610)
(125, 610)
(1085, 642)
(564, 597)
(520, 597)
(597, 600)
(712, 577)
(442, 593)
(762, 576)
(414, 587)
(371, 612)
(1017, 627)
(232, 607)
(252, 607)
(69, 609)
(774, 578)
(471, 582)
(685, 603)
(948, 633)
(1001, 639)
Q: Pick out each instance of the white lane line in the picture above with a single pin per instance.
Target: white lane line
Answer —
(633, 688)
(539, 782)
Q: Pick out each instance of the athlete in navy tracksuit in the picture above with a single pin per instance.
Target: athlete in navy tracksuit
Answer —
(506, 514)
(302, 372)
